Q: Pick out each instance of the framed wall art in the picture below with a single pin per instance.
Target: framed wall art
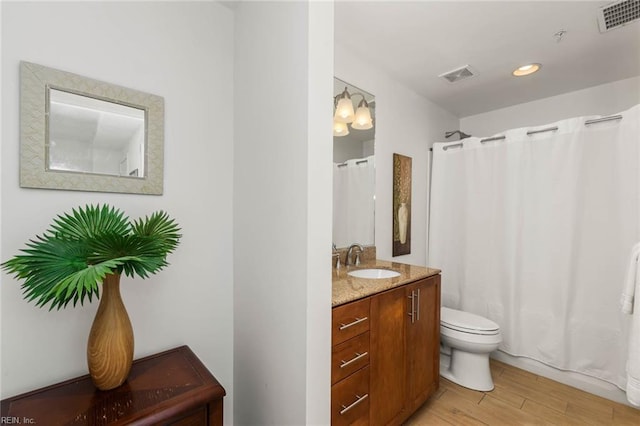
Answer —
(401, 205)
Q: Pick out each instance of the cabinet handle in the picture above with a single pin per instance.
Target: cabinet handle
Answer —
(358, 401)
(358, 356)
(411, 314)
(357, 321)
(418, 310)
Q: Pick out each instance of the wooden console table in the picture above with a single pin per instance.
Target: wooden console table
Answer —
(169, 388)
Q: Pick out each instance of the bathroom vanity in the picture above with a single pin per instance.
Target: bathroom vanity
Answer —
(385, 344)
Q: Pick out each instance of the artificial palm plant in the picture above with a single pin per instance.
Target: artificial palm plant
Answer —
(94, 245)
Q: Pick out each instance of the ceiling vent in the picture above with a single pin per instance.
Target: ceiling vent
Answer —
(618, 14)
(459, 73)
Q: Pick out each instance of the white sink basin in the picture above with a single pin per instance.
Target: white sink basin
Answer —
(374, 274)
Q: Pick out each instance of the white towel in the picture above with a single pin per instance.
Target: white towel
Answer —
(631, 305)
(631, 281)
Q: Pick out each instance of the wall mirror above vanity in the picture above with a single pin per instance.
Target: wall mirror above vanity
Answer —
(82, 134)
(353, 167)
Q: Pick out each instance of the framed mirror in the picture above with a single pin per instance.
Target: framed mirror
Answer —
(82, 134)
(353, 169)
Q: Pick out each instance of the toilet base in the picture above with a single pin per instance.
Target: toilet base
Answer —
(470, 370)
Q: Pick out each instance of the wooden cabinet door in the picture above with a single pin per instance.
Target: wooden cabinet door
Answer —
(388, 356)
(423, 340)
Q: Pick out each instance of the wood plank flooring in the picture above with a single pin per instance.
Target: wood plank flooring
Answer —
(520, 398)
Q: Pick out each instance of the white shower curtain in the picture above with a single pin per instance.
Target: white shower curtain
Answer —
(534, 232)
(353, 202)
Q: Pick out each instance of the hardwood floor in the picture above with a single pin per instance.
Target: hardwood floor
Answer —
(520, 398)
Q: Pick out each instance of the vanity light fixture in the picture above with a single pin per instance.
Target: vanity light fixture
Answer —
(344, 115)
(526, 70)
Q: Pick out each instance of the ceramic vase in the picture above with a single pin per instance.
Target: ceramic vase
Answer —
(110, 346)
(403, 214)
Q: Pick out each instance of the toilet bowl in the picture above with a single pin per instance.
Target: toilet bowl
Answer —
(466, 340)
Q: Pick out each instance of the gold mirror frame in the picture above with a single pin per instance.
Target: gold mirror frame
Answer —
(35, 82)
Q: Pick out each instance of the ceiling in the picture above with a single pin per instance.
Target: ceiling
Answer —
(415, 42)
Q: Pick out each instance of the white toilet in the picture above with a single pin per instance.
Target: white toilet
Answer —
(466, 340)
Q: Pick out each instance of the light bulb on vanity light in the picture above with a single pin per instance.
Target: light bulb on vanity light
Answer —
(362, 119)
(340, 129)
(344, 108)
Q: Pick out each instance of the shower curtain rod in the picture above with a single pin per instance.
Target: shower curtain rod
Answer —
(599, 120)
(357, 163)
(548, 129)
(453, 146)
(533, 132)
(495, 138)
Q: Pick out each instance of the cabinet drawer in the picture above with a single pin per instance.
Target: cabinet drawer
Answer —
(350, 400)
(349, 320)
(349, 356)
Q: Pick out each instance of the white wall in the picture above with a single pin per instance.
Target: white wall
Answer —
(135, 154)
(605, 99)
(2, 252)
(407, 124)
(182, 51)
(319, 213)
(282, 212)
(347, 151)
(105, 161)
(71, 155)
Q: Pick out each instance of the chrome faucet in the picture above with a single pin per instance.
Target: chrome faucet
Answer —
(349, 259)
(336, 255)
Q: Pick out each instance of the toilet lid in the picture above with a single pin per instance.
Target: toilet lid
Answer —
(467, 322)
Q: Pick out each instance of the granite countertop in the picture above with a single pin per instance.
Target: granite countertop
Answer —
(347, 288)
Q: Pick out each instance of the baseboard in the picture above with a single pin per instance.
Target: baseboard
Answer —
(577, 380)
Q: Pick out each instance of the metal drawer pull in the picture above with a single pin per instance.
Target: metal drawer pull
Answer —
(358, 356)
(413, 309)
(358, 401)
(357, 321)
(418, 310)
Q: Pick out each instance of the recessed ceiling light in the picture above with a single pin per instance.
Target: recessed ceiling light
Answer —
(526, 70)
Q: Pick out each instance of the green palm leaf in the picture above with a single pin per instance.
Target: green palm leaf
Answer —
(79, 249)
